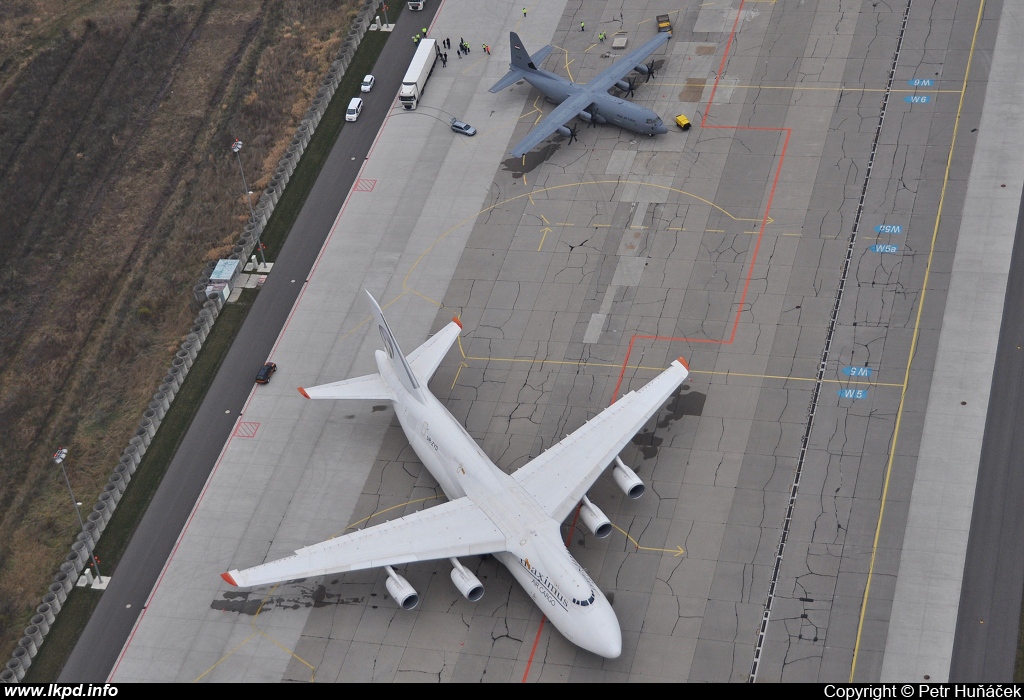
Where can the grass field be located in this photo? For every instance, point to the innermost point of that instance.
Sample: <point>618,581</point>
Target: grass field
<point>81,602</point>
<point>115,124</point>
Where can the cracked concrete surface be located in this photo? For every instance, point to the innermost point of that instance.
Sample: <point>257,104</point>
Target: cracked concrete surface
<point>750,552</point>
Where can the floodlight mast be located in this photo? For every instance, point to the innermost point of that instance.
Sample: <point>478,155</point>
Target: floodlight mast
<point>58,457</point>
<point>235,148</point>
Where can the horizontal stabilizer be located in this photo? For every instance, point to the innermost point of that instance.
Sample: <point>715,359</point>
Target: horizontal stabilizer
<point>426,358</point>
<point>514,75</point>
<point>367,387</point>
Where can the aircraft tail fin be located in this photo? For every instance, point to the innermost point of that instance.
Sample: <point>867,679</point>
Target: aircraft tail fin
<point>394,352</point>
<point>520,56</point>
<point>521,64</point>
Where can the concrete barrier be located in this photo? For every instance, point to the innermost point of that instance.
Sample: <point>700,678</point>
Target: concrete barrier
<point>86,538</point>
<point>146,425</point>
<point>47,611</point>
<point>93,528</point>
<point>213,307</point>
<point>186,359</point>
<point>79,556</point>
<point>56,596</point>
<point>142,434</point>
<point>33,632</point>
<point>15,668</point>
<point>193,337</point>
<point>114,488</point>
<point>66,580</point>
<point>125,471</point>
<point>102,509</point>
<point>34,638</point>
<point>40,622</point>
<point>22,655</point>
<point>132,453</point>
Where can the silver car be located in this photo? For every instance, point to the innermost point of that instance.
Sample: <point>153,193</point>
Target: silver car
<point>462,127</point>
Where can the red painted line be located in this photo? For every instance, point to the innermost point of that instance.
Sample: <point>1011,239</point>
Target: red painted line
<point>544,618</point>
<point>536,642</point>
<point>750,270</point>
<point>786,133</point>
<point>167,564</point>
<point>246,429</point>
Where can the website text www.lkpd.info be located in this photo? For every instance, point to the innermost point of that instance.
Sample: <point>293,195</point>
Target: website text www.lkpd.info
<point>61,690</point>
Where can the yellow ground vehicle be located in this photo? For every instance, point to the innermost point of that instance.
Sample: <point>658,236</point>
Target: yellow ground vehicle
<point>664,24</point>
<point>683,122</point>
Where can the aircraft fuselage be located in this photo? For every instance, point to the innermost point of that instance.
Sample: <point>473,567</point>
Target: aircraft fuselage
<point>609,109</point>
<point>536,556</point>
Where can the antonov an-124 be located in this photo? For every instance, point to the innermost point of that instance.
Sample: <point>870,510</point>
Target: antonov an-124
<point>516,517</point>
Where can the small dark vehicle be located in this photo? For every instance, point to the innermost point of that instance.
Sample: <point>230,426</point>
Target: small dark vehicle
<point>266,371</point>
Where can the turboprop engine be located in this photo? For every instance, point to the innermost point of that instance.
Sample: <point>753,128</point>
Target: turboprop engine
<point>627,480</point>
<point>595,519</point>
<point>400,589</point>
<point>468,584</point>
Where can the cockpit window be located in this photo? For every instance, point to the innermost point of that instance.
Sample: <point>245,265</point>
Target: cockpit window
<point>584,603</point>
<point>650,121</point>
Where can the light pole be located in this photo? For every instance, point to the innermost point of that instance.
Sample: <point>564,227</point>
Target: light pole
<point>59,457</point>
<point>236,147</point>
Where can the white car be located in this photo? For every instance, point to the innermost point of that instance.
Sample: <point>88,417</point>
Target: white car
<point>355,106</point>
<point>367,84</point>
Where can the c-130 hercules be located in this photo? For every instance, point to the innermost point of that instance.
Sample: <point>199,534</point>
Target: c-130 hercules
<point>589,101</point>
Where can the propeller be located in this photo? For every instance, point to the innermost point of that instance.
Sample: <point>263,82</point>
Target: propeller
<point>650,70</point>
<point>630,89</point>
<point>572,135</point>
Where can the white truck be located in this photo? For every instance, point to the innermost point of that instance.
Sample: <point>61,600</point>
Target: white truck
<point>419,70</point>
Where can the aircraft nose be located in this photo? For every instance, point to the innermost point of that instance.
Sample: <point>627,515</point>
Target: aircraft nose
<point>660,128</point>
<point>604,636</point>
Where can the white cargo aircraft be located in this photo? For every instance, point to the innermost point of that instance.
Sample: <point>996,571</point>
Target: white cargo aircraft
<point>588,101</point>
<point>514,517</point>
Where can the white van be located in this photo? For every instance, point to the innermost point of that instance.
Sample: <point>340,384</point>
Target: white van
<point>355,106</point>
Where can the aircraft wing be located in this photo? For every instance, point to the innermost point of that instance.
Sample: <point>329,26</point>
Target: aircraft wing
<point>561,476</point>
<point>454,529</point>
<point>622,67</point>
<point>549,124</point>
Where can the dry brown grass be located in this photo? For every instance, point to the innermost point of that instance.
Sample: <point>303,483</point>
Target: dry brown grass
<point>115,122</point>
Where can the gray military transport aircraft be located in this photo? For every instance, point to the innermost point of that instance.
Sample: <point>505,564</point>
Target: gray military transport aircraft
<point>589,101</point>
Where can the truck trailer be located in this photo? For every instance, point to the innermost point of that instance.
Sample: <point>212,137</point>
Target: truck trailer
<point>419,70</point>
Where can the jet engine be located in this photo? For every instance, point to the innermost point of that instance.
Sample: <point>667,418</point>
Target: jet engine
<point>595,520</point>
<point>401,590</point>
<point>468,584</point>
<point>627,480</point>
